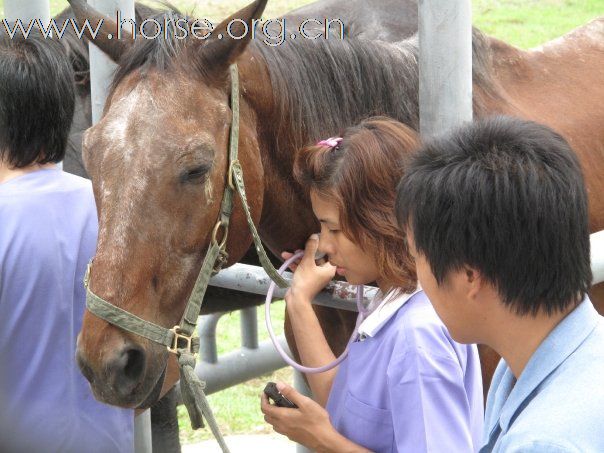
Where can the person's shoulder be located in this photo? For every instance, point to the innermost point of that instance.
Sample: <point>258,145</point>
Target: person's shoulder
<point>422,327</point>
<point>576,392</point>
<point>425,335</point>
<point>72,189</point>
<point>75,181</point>
<point>582,370</point>
<point>39,185</point>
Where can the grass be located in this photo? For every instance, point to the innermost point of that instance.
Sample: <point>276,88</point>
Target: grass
<point>523,23</point>
<point>529,23</point>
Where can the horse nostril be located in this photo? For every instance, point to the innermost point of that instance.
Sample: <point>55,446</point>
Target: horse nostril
<point>127,369</point>
<point>84,367</point>
<point>135,363</point>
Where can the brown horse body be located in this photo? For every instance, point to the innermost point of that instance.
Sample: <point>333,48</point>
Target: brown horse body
<point>158,159</point>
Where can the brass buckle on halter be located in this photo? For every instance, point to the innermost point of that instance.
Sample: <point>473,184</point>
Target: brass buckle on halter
<point>177,337</point>
<point>215,234</point>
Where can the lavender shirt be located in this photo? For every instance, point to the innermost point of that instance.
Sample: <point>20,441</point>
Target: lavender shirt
<point>48,230</point>
<point>410,387</point>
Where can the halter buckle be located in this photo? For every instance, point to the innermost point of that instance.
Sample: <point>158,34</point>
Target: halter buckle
<point>177,337</point>
<point>225,234</point>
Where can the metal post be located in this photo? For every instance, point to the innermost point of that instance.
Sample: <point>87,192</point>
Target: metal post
<point>27,11</point>
<point>207,337</point>
<point>445,64</point>
<point>249,327</point>
<point>597,256</point>
<point>101,66</point>
<point>142,432</point>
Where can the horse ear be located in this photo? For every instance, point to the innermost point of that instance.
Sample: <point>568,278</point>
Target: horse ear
<point>219,53</point>
<point>114,48</point>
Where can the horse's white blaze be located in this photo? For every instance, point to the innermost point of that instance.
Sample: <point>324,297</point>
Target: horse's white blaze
<point>125,109</point>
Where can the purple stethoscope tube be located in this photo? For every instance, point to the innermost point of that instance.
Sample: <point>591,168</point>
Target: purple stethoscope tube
<point>271,332</point>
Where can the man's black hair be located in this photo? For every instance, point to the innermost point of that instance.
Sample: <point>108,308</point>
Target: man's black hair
<point>36,99</point>
<point>507,197</point>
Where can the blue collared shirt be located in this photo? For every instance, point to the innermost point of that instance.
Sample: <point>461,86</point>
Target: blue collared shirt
<point>557,404</point>
<point>48,230</point>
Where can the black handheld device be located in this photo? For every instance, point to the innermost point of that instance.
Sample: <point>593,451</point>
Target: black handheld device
<point>271,391</point>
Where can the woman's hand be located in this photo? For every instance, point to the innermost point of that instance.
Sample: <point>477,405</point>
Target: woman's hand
<point>308,425</point>
<point>309,278</point>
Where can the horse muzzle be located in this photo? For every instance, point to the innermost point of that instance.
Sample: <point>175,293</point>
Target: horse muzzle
<point>120,377</point>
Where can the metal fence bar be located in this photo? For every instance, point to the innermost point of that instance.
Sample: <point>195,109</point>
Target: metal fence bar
<point>253,279</point>
<point>445,64</point>
<point>240,365</point>
<point>249,327</point>
<point>207,337</point>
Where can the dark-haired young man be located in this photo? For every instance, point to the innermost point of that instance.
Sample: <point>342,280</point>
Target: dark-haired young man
<point>48,230</point>
<point>496,215</point>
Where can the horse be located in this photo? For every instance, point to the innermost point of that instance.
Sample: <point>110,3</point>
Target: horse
<point>158,195</point>
<point>353,13</point>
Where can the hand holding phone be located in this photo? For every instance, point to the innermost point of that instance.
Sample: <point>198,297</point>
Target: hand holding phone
<point>271,391</point>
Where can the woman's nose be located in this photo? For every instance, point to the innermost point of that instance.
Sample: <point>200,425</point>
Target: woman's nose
<point>319,253</point>
<point>325,247</point>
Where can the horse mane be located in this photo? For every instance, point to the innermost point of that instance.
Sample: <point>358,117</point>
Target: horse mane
<point>324,86</point>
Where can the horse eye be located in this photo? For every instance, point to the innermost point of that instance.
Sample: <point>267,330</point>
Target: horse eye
<point>195,174</point>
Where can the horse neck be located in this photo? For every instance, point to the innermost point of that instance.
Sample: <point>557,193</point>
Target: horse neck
<point>286,220</point>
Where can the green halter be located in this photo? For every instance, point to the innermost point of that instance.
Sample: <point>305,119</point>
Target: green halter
<point>179,340</point>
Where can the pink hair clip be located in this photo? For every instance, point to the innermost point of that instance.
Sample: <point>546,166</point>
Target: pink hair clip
<point>332,142</point>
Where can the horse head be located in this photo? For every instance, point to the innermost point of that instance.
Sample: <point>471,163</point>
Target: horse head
<point>158,161</point>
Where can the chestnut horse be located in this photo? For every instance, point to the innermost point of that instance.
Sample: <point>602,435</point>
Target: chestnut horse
<point>158,158</point>
<point>364,21</point>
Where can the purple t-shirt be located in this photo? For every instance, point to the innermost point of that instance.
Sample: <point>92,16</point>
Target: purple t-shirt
<point>48,231</point>
<point>410,387</point>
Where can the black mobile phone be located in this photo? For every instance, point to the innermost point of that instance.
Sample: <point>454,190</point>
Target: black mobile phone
<point>271,391</point>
